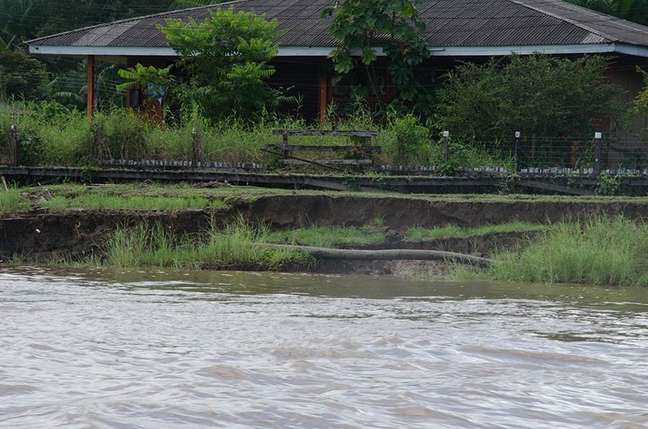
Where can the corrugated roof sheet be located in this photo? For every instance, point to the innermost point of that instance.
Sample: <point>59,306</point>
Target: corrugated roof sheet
<point>449,23</point>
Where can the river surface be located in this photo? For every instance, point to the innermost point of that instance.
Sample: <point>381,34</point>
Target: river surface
<point>234,350</point>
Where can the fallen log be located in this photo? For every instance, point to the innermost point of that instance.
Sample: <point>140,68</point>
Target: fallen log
<point>385,255</point>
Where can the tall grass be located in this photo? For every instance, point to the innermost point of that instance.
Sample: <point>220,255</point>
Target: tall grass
<point>12,201</point>
<point>603,251</point>
<point>237,246</point>
<point>101,201</point>
<point>453,231</point>
<point>321,236</point>
<point>51,134</point>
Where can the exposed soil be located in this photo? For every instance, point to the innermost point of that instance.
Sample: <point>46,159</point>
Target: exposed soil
<point>75,232</point>
<point>79,231</point>
<point>401,213</point>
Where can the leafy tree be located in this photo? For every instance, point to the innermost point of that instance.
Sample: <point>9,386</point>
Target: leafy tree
<point>21,76</point>
<point>640,104</point>
<point>391,25</point>
<point>538,95</point>
<point>227,56</point>
<point>26,19</point>
<point>633,10</point>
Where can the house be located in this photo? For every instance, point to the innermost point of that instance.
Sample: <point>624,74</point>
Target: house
<point>457,30</point>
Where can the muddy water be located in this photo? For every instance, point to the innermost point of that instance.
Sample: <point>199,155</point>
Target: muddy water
<point>291,351</point>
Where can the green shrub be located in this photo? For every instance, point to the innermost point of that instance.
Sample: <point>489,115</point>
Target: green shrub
<point>538,95</point>
<point>122,135</point>
<point>408,142</point>
<point>11,201</point>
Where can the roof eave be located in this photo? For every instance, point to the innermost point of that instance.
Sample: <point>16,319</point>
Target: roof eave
<point>302,51</point>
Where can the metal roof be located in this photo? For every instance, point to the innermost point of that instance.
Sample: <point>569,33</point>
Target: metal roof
<point>449,23</point>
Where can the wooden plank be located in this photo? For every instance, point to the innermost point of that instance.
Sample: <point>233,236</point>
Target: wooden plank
<point>325,133</point>
<point>329,162</point>
<point>326,148</point>
<point>551,187</point>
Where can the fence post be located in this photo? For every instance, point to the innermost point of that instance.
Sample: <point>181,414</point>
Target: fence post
<point>598,153</point>
<point>198,153</point>
<point>445,141</point>
<point>516,152</point>
<point>13,143</point>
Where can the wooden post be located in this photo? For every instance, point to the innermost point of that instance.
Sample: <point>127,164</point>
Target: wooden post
<point>284,144</point>
<point>598,153</point>
<point>13,144</point>
<point>198,152</point>
<point>516,152</point>
<point>446,148</point>
<point>91,94</point>
<point>323,93</point>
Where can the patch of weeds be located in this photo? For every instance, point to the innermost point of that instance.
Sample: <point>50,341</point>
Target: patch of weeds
<point>453,231</point>
<point>603,251</point>
<point>12,201</point>
<point>609,185</point>
<point>329,236</point>
<point>238,245</point>
<point>98,201</point>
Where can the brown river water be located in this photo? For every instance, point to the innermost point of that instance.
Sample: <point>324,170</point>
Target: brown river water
<point>236,350</point>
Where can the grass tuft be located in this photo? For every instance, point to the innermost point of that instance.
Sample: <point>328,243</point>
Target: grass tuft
<point>332,236</point>
<point>453,231</point>
<point>12,201</point>
<point>100,201</point>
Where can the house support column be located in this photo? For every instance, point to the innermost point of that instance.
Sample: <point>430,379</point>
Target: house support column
<point>91,84</point>
<point>323,92</point>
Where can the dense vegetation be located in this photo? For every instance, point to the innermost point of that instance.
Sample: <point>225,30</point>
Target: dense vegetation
<point>603,251</point>
<point>633,10</point>
<point>219,91</point>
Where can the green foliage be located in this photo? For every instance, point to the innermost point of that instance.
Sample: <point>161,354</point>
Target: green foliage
<point>11,201</point>
<point>329,236</point>
<point>394,26</point>
<point>120,134</point>
<point>51,134</point>
<point>27,19</point>
<point>453,231</point>
<point>21,76</point>
<point>602,252</point>
<point>408,141</point>
<point>151,79</point>
<point>235,247</point>
<point>640,103</point>
<point>538,95</point>
<point>633,10</point>
<point>100,201</point>
<point>608,184</point>
<point>227,56</point>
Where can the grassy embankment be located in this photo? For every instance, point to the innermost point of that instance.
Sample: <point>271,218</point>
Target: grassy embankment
<point>604,252</point>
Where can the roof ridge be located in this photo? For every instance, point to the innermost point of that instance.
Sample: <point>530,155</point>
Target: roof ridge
<point>135,18</point>
<point>573,7</point>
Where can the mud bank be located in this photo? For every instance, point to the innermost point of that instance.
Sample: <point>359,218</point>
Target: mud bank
<point>42,233</point>
<point>400,212</point>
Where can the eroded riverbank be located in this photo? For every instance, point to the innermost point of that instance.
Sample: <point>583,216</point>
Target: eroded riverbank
<point>196,226</point>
